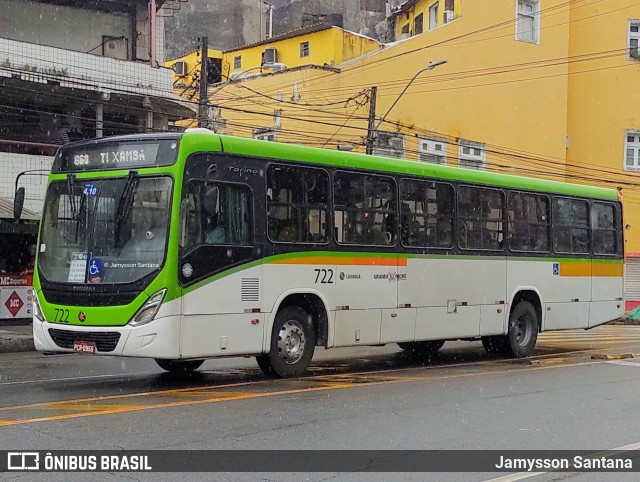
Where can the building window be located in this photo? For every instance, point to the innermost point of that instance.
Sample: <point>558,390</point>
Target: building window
<point>237,62</point>
<point>304,49</point>
<point>264,135</point>
<point>404,33</point>
<point>527,27</point>
<point>632,151</point>
<point>472,155</point>
<point>634,39</point>
<point>418,21</point>
<point>433,16</point>
<point>432,150</point>
<point>389,144</point>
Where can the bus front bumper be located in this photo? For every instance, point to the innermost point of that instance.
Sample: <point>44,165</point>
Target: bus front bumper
<point>158,339</point>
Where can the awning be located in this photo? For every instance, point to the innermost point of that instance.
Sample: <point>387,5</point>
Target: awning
<point>6,211</point>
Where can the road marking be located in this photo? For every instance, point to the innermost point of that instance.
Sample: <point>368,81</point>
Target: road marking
<point>320,383</point>
<point>67,379</point>
<point>605,453</point>
<point>623,363</point>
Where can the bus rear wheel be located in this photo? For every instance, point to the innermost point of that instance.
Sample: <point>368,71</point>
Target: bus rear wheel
<point>293,341</point>
<point>496,345</point>
<point>521,339</point>
<point>422,348</point>
<point>179,366</point>
<point>523,330</point>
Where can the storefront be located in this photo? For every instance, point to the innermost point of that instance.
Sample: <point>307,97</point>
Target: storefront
<point>17,252</point>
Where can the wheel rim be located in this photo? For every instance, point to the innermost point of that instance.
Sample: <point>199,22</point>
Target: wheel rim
<point>522,331</point>
<point>291,341</point>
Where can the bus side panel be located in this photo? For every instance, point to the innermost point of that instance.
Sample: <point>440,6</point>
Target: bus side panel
<point>563,287</point>
<point>607,292</point>
<point>357,327</point>
<point>367,286</point>
<point>435,323</point>
<point>237,326</point>
<point>451,295</point>
<point>603,311</point>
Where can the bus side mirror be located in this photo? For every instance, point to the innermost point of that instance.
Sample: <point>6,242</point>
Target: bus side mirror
<point>18,203</point>
<point>210,203</point>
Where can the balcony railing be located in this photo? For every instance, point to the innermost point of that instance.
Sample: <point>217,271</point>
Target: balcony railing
<point>81,70</point>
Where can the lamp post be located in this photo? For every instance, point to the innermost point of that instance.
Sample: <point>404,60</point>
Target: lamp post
<point>371,134</point>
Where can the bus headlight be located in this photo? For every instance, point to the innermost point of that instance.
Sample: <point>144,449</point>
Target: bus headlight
<point>149,310</point>
<point>37,312</point>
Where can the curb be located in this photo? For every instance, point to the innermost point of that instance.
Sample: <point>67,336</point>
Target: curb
<point>624,321</point>
<point>16,344</point>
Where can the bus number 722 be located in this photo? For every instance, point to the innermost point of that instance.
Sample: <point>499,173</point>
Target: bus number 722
<point>324,276</point>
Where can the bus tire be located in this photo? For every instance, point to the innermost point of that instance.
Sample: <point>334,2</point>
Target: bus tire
<point>496,345</point>
<point>179,366</point>
<point>264,362</point>
<point>293,341</point>
<point>422,348</point>
<point>523,329</point>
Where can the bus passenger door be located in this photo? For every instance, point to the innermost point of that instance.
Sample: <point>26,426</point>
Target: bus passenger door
<point>222,305</point>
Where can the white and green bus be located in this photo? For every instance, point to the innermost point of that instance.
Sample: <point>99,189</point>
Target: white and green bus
<point>185,247</point>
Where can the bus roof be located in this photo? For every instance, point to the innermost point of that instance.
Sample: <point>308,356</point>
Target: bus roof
<point>350,160</point>
<point>199,140</point>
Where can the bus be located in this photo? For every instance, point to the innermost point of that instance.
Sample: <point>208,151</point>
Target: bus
<point>183,247</point>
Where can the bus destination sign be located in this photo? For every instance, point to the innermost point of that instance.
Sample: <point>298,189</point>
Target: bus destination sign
<point>117,155</point>
<point>114,158</point>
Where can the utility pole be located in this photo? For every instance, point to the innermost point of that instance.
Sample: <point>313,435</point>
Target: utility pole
<point>372,119</point>
<point>204,86</point>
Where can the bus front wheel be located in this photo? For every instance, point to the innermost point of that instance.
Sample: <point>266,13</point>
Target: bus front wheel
<point>293,341</point>
<point>179,366</point>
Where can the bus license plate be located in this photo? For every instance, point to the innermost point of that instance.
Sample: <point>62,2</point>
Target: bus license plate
<point>84,346</point>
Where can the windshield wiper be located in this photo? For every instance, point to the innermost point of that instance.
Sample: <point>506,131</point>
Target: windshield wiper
<point>71,181</point>
<point>124,205</point>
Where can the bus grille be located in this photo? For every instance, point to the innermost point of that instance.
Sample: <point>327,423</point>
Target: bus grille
<point>250,289</point>
<point>105,341</point>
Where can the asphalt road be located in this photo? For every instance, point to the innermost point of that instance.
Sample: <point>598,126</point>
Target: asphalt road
<point>357,398</point>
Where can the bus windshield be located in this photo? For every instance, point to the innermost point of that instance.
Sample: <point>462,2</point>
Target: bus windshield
<point>104,231</point>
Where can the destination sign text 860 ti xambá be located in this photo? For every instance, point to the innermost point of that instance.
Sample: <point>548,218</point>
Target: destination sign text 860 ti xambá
<point>116,155</point>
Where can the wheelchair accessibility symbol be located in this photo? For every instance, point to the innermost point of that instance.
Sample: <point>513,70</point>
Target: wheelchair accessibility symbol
<point>95,267</point>
<point>556,269</point>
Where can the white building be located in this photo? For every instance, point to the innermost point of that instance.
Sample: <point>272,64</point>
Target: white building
<point>77,69</point>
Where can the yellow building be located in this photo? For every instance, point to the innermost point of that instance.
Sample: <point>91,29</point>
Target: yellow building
<point>417,16</point>
<point>542,89</point>
<point>186,70</point>
<point>316,45</point>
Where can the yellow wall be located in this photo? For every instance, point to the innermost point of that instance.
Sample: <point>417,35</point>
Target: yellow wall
<point>193,68</point>
<point>603,102</point>
<point>422,7</point>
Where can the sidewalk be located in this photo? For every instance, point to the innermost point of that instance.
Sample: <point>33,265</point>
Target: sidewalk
<point>16,338</point>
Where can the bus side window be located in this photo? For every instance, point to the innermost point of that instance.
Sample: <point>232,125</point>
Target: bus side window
<point>297,204</point>
<point>604,229</point>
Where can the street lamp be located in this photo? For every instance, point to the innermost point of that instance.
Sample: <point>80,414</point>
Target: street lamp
<point>372,132</point>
